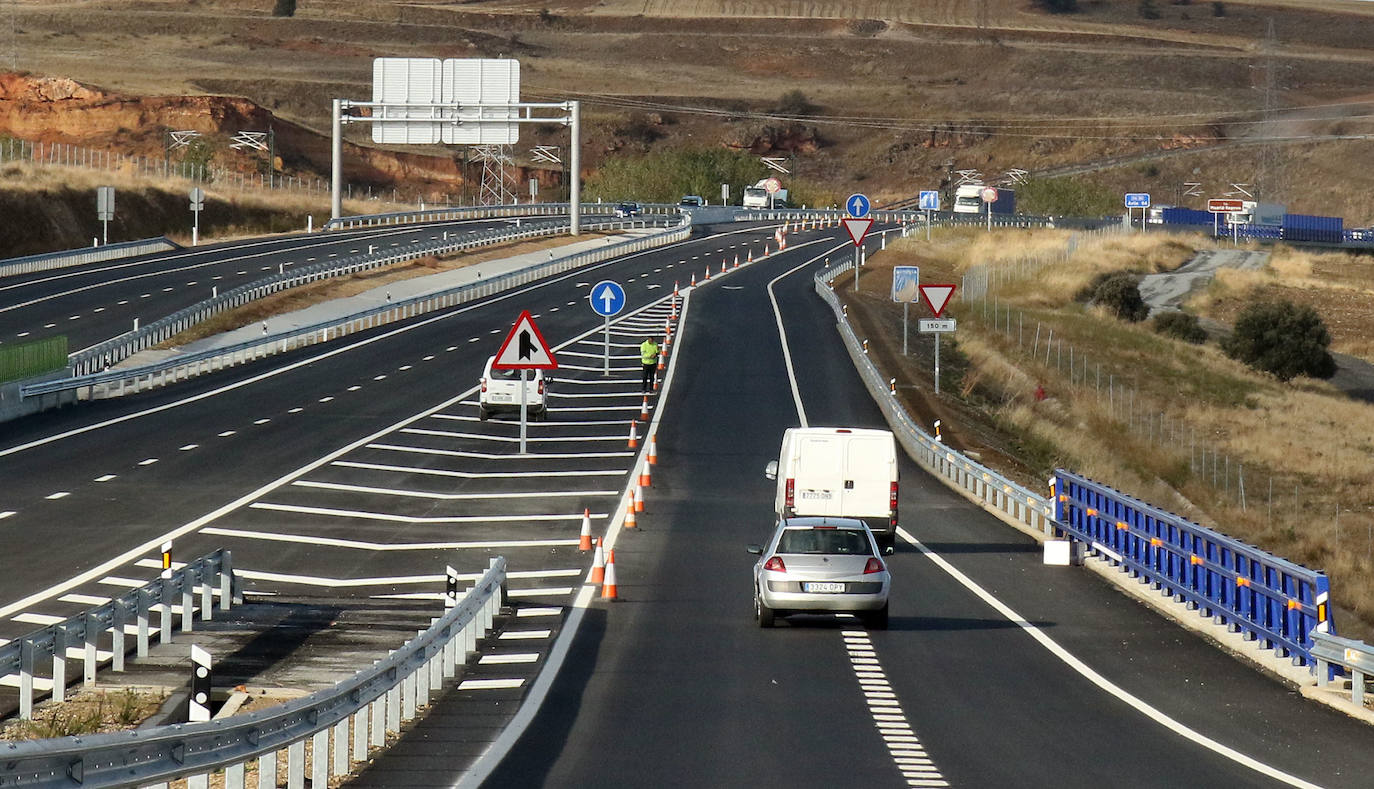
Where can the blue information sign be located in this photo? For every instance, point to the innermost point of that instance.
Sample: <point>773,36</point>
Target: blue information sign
<point>906,284</point>
<point>930,200</point>
<point>857,205</point>
<point>607,298</point>
<point>1137,200</point>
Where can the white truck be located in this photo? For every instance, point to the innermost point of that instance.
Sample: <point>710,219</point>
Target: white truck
<point>968,199</point>
<point>757,196</point>
<point>839,471</point>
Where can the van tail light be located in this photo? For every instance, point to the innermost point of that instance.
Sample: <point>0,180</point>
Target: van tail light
<point>541,386</point>
<point>775,564</point>
<point>892,506</point>
<point>875,565</point>
<point>484,384</point>
<point>790,495</point>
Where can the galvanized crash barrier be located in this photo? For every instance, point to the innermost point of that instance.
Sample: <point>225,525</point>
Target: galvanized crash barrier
<point>77,257</point>
<point>117,382</point>
<point>375,701</point>
<point>1251,591</point>
<point>458,213</point>
<point>130,613</point>
<point>977,482</point>
<point>1355,658</point>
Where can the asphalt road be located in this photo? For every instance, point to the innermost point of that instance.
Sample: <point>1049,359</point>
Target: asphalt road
<point>97,301</point>
<point>675,685</point>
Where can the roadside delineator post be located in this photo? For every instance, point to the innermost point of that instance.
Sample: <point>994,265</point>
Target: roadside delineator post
<point>584,543</point>
<point>598,564</point>
<point>634,436</point>
<point>608,590</point>
<point>653,449</point>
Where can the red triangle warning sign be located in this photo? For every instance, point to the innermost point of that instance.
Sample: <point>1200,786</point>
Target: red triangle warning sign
<point>858,228</point>
<point>524,348</point>
<point>937,297</point>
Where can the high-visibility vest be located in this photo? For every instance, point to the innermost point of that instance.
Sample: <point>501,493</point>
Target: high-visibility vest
<point>648,352</point>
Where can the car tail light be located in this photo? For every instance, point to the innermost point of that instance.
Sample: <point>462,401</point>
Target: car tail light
<point>790,495</point>
<point>541,386</point>
<point>892,506</point>
<point>875,565</point>
<point>484,384</point>
<point>775,564</point>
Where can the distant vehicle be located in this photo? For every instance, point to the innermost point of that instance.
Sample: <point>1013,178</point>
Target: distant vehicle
<point>695,201</point>
<point>624,210</point>
<point>1246,215</point>
<point>968,199</point>
<point>820,565</point>
<point>1155,214</point>
<point>499,392</point>
<point>839,472</point>
<point>757,196</point>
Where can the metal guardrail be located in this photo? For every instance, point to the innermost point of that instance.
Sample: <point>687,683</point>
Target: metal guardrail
<point>77,257</point>
<point>975,481</point>
<point>1354,657</point>
<point>112,351</point>
<point>1249,590</point>
<point>175,589</point>
<point>115,382</point>
<point>376,700</point>
<point>454,213</point>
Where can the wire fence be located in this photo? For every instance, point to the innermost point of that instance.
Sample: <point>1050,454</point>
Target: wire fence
<point>32,358</point>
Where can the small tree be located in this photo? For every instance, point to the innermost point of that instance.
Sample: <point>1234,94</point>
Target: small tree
<point>1147,9</point>
<point>1121,294</point>
<point>1181,326</point>
<point>795,103</point>
<point>1282,338</point>
<point>284,8</point>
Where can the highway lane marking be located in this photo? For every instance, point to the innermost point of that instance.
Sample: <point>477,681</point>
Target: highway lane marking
<point>535,591</point>
<point>1088,673</point>
<point>489,456</point>
<point>31,618</point>
<point>353,388</point>
<point>579,423</point>
<point>326,399</point>
<point>188,447</point>
<point>538,611</point>
<point>106,477</point>
<point>427,494</point>
<point>903,745</point>
<point>379,377</point>
<point>490,684</point>
<point>348,583</point>
<point>523,635</point>
<point>83,599</point>
<point>227,433</point>
<point>514,657</point>
<point>147,461</point>
<point>7,514</point>
<point>420,431</point>
<point>477,474</point>
<point>386,516</point>
<point>261,421</point>
<point>584,395</point>
<point>295,410</point>
<point>782,332</point>
<point>61,494</point>
<point>364,545</point>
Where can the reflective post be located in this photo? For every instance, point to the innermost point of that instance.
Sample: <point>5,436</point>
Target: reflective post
<point>336,162</point>
<point>524,413</point>
<point>575,169</point>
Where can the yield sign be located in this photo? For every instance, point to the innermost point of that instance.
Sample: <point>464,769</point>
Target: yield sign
<point>937,297</point>
<point>858,228</point>
<point>524,348</point>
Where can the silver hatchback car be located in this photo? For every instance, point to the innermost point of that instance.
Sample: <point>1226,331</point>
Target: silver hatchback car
<point>817,565</point>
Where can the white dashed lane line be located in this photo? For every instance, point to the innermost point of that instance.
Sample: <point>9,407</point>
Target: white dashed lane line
<point>61,494</point>
<point>261,421</point>
<point>147,462</point>
<point>189,447</point>
<point>906,749</point>
<point>106,477</point>
<point>295,410</point>
<point>227,433</point>
<point>7,514</point>
<point>354,388</point>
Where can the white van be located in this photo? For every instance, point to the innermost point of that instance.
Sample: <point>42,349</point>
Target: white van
<point>499,392</point>
<point>839,471</point>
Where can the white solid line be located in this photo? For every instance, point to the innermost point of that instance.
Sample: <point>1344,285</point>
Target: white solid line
<point>83,599</point>
<point>1097,679</point>
<point>521,657</point>
<point>782,333</point>
<point>363,545</point>
<point>425,494</point>
<point>490,456</point>
<point>541,591</point>
<point>384,516</point>
<point>477,474</point>
<point>510,439</point>
<point>7,514</point>
<point>114,580</point>
<point>490,684</point>
<point>32,618</point>
<point>524,635</point>
<point>540,611</point>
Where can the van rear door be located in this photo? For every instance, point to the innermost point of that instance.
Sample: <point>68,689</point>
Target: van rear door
<point>819,475</point>
<point>867,476</point>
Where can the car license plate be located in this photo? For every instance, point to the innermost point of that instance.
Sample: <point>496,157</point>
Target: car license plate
<point>500,398</point>
<point>823,586</point>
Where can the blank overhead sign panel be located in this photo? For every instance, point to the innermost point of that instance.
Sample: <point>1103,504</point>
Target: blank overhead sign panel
<point>407,81</point>
<point>475,84</point>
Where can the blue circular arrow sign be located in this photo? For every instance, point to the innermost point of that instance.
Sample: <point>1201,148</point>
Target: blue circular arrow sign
<point>607,298</point>
<point>857,205</point>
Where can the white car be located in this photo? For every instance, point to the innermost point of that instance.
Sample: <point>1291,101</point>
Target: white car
<point>821,565</point>
<point>499,392</point>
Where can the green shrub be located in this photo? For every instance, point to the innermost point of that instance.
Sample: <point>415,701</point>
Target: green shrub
<point>1067,196</point>
<point>1181,326</point>
<point>1120,293</point>
<point>284,8</point>
<point>665,176</point>
<point>795,103</point>
<point>1281,338</point>
<point>1147,9</point>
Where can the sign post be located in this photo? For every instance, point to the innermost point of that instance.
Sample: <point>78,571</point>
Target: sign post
<point>989,195</point>
<point>524,350</point>
<point>930,201</point>
<point>1220,205</point>
<point>857,229</point>
<point>607,298</point>
<point>906,281</point>
<point>1139,200</point>
<point>772,186</point>
<point>197,205</point>
<point>937,298</point>
<point>104,210</point>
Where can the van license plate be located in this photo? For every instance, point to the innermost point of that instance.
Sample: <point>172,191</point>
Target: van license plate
<point>500,398</point>
<point>823,586</point>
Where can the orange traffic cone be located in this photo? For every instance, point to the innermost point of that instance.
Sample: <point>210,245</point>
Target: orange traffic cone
<point>644,410</point>
<point>694,281</point>
<point>639,498</point>
<point>645,478</point>
<point>751,257</point>
<point>765,250</point>
<point>736,261</point>
<point>630,522</point>
<point>585,542</point>
<point>674,293</point>
<point>608,590</point>
<point>708,274</point>
<point>653,449</point>
<point>722,265</point>
<point>634,436</point>
<point>660,359</point>
<point>598,564</point>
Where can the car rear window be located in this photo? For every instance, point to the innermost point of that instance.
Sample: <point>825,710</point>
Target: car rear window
<point>824,541</point>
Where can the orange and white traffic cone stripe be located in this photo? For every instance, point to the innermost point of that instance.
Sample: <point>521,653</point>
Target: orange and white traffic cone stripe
<point>708,274</point>
<point>608,590</point>
<point>751,257</point>
<point>584,543</point>
<point>737,260</point>
<point>645,478</point>
<point>694,281</point>
<point>639,498</point>
<point>598,564</point>
<point>634,435</point>
<point>722,266</point>
<point>630,521</point>
<point>653,449</point>
<point>674,293</point>
<point>661,352</point>
<point>644,410</point>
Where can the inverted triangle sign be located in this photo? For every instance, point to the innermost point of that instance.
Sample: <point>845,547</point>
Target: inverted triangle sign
<point>937,297</point>
<point>524,348</point>
<point>858,228</point>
